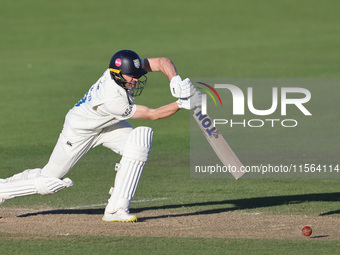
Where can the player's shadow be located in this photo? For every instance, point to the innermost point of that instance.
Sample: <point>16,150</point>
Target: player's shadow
<point>64,211</point>
<point>247,204</point>
<point>225,206</point>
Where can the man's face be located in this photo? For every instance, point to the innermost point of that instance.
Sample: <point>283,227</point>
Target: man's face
<point>131,81</point>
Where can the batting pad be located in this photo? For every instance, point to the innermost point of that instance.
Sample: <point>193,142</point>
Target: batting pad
<point>135,155</point>
<point>30,182</point>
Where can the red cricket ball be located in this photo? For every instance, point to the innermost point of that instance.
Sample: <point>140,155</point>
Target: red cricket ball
<point>306,230</point>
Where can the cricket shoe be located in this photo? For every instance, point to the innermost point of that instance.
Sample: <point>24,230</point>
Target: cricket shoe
<point>122,215</point>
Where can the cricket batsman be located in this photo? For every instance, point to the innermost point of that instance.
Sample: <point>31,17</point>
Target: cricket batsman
<point>100,118</point>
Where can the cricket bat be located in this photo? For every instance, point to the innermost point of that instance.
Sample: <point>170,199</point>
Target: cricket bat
<point>219,144</point>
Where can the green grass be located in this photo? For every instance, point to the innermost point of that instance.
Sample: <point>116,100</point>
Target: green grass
<point>158,245</point>
<point>50,54</point>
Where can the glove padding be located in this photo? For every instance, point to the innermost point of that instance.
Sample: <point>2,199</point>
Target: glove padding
<point>181,89</point>
<point>191,102</point>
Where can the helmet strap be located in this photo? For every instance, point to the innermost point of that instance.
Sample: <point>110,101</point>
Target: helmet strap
<point>116,75</point>
<point>119,79</point>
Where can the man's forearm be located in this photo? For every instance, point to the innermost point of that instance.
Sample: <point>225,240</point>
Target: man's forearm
<point>144,112</point>
<point>165,65</point>
<point>168,68</point>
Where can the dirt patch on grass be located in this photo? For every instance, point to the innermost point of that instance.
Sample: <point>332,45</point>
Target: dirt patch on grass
<point>167,223</point>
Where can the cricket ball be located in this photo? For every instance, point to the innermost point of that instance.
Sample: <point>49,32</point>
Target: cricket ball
<point>306,230</point>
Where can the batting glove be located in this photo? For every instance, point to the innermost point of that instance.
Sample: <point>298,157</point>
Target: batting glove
<point>181,89</point>
<point>191,102</point>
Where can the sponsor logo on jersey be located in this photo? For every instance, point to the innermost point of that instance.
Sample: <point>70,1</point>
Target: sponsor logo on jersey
<point>127,111</point>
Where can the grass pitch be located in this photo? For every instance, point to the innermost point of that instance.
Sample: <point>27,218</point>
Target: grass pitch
<point>95,245</point>
<point>52,53</point>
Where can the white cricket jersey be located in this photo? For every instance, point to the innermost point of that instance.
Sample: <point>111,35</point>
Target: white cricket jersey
<point>105,104</point>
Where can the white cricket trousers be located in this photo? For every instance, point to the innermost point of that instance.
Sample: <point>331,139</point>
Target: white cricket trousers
<point>73,144</point>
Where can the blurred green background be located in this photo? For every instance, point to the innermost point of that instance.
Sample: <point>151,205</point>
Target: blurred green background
<point>51,53</point>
